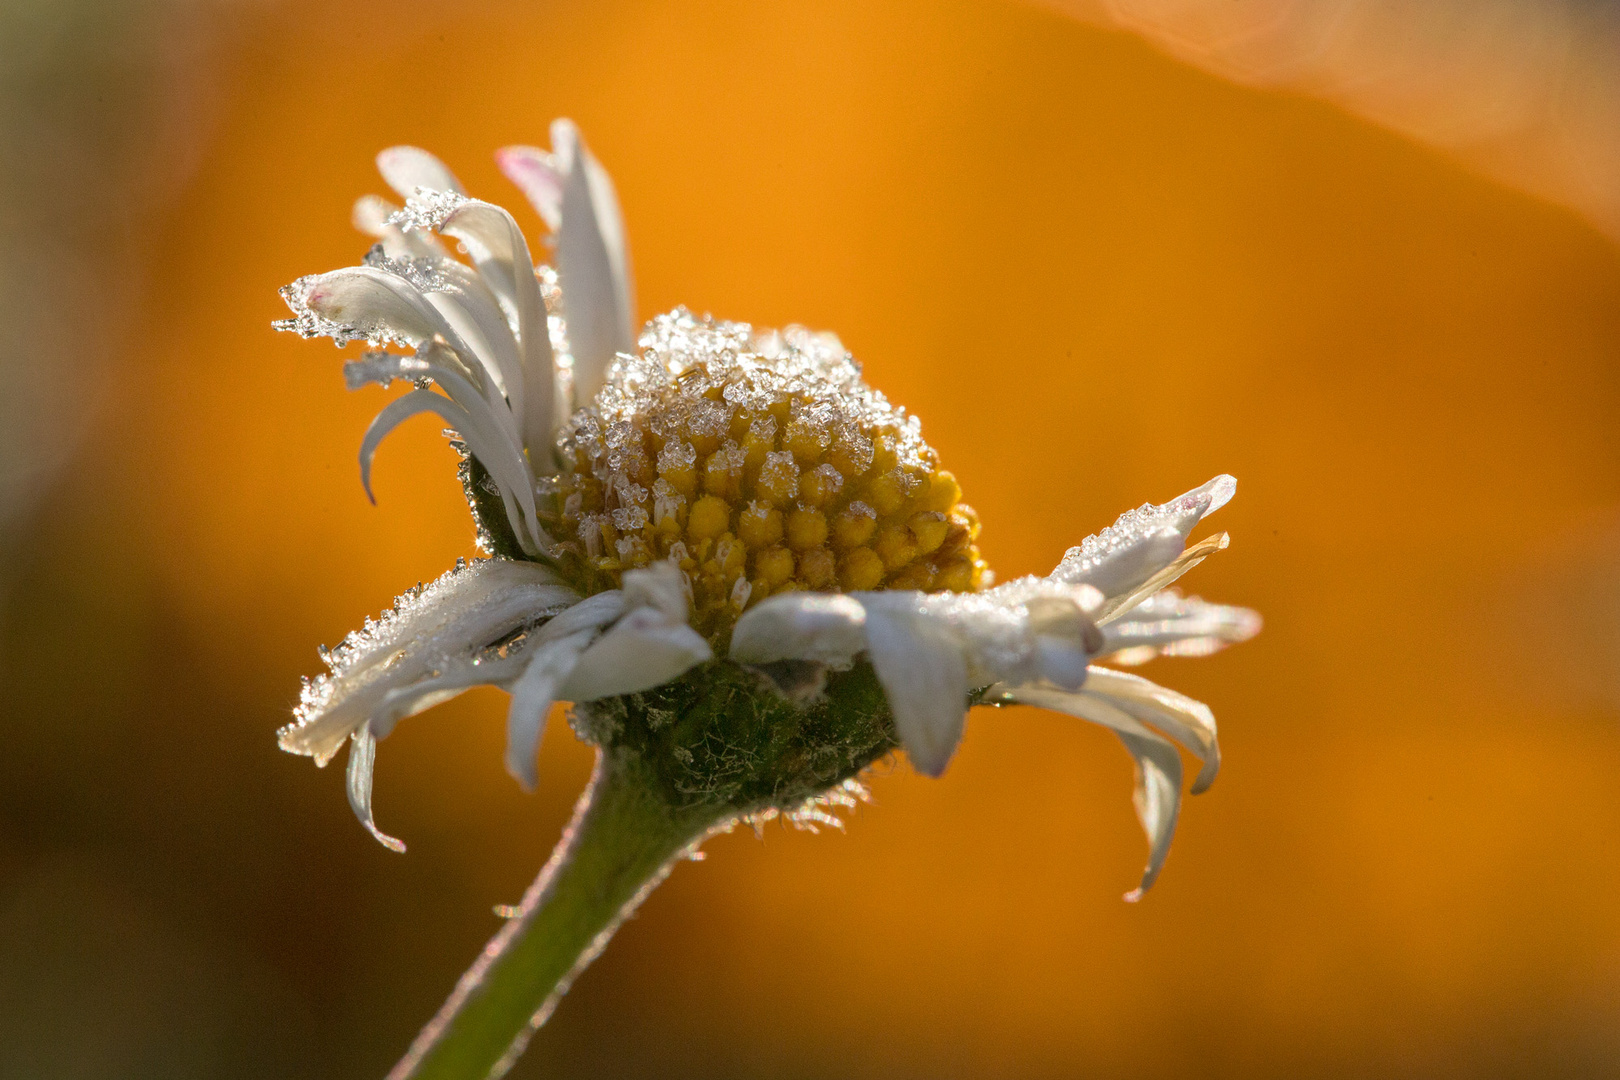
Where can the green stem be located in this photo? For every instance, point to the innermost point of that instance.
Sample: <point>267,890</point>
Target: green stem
<point>624,840</point>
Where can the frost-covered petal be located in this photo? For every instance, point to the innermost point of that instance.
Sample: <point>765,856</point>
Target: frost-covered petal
<point>362,760</point>
<point>372,215</point>
<point>1189,722</point>
<point>1021,631</point>
<point>824,628</point>
<point>431,629</point>
<point>536,174</point>
<point>533,694</point>
<point>436,362</point>
<point>1122,603</point>
<point>642,650</point>
<point>924,676</point>
<point>1169,624</point>
<point>360,302</point>
<point>1141,542</point>
<point>406,168</point>
<point>482,336</point>
<point>501,253</point>
<point>593,264</point>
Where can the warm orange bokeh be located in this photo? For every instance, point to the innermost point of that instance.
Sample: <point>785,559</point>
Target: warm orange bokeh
<point>1100,279</point>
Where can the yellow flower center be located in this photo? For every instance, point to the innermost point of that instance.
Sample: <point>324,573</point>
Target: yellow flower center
<point>759,464</point>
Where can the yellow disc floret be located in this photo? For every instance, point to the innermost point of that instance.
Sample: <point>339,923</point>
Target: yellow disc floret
<point>759,463</point>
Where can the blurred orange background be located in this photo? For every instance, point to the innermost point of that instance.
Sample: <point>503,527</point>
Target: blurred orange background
<point>1100,278</point>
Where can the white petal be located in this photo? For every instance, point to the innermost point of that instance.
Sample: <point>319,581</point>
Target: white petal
<point>1169,624</point>
<point>532,696</point>
<point>1189,722</point>
<point>1021,631</point>
<point>924,676</point>
<point>1142,541</point>
<point>1157,798</point>
<point>593,266</point>
<point>468,305</point>
<point>501,253</point>
<point>1124,602</point>
<point>594,612</point>
<point>406,168</point>
<point>359,302</point>
<point>446,625</point>
<point>536,174</point>
<point>362,759</point>
<point>825,628</point>
<point>641,651</point>
<point>661,586</point>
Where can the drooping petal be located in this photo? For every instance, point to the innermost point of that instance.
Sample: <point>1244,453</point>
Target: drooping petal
<point>362,759</point>
<point>406,168</point>
<point>593,264</point>
<point>532,697</point>
<point>450,623</point>
<point>824,628</point>
<point>1189,722</point>
<point>1157,799</point>
<point>1169,624</point>
<point>485,446</point>
<point>1142,541</point>
<point>642,650</point>
<point>924,676</point>
<point>536,174</point>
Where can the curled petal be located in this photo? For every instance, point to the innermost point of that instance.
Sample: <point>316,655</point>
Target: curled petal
<point>532,696</point>
<point>360,302</point>
<point>593,264</point>
<point>1158,801</point>
<point>824,628</point>
<point>447,626</point>
<point>469,306</point>
<point>924,676</point>
<point>362,759</point>
<point>1142,541</point>
<point>641,651</point>
<point>1188,722</point>
<point>407,168</point>
<point>501,253</point>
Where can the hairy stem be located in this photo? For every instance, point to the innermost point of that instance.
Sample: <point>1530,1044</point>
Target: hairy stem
<point>623,840</point>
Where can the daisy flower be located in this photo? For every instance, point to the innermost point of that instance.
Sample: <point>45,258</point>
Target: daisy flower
<point>743,566</point>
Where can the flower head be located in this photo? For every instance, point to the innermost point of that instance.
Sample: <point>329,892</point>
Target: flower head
<point>741,563</point>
